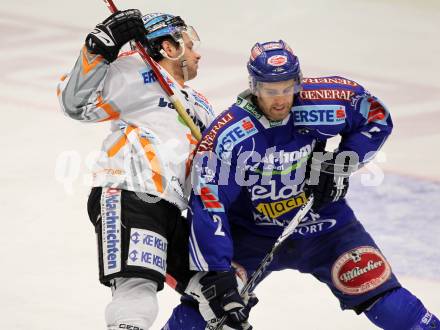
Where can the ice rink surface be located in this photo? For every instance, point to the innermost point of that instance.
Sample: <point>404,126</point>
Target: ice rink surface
<point>48,250</point>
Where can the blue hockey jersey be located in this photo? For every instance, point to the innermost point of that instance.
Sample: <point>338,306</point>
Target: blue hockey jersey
<point>249,171</point>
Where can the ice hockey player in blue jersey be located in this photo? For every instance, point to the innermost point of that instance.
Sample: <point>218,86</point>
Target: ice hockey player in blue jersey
<point>254,168</point>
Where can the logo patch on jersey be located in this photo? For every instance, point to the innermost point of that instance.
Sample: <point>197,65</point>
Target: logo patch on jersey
<point>147,249</point>
<point>202,101</point>
<point>278,208</point>
<point>319,114</point>
<point>111,230</point>
<point>209,196</point>
<point>326,94</point>
<point>377,112</point>
<point>208,140</point>
<point>248,107</point>
<point>234,134</point>
<point>148,76</point>
<point>283,162</point>
<point>372,109</point>
<point>329,80</point>
<point>285,192</point>
<point>277,60</point>
<point>360,270</point>
<point>313,224</point>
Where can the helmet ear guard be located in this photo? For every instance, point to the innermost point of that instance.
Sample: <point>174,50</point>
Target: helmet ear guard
<point>273,61</point>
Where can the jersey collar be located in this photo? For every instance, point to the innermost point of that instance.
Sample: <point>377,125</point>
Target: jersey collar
<point>244,101</point>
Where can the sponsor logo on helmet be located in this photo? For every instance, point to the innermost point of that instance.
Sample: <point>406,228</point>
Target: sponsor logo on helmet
<point>360,270</point>
<point>272,46</point>
<point>277,60</point>
<point>149,17</point>
<point>255,52</point>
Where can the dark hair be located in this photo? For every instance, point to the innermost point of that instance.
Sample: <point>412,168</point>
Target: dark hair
<point>154,47</point>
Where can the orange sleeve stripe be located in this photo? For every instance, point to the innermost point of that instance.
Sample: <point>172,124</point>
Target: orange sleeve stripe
<point>114,149</point>
<point>89,66</point>
<point>154,161</point>
<point>108,108</point>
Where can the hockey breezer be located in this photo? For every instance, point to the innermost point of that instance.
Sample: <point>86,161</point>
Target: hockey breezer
<point>290,228</point>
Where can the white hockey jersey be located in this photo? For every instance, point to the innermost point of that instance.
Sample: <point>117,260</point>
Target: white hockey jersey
<point>149,148</point>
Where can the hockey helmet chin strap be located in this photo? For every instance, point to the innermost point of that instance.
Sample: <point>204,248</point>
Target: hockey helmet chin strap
<point>194,37</point>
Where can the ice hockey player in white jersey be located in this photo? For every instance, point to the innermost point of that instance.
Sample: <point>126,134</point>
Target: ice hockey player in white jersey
<point>141,178</point>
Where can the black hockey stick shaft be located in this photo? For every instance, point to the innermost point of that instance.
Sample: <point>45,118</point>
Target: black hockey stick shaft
<point>290,228</point>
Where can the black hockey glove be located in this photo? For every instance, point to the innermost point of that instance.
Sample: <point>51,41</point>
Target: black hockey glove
<point>328,178</point>
<point>109,36</point>
<point>220,289</point>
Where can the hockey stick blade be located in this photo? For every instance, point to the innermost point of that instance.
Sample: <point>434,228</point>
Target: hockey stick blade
<point>290,228</point>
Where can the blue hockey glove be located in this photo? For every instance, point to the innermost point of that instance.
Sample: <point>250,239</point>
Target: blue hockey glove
<point>220,290</point>
<point>109,36</point>
<point>328,178</point>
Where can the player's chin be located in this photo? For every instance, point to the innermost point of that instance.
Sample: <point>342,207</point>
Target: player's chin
<point>192,73</point>
<point>279,114</point>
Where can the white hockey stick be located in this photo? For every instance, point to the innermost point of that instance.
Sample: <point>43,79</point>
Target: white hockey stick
<point>216,324</point>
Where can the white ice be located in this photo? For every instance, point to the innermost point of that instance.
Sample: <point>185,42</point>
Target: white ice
<point>48,275</point>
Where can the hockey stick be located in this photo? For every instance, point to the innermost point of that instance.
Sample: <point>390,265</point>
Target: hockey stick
<point>290,228</point>
<point>176,102</point>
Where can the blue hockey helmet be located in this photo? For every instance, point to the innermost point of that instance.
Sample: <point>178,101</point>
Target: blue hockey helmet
<point>273,61</point>
<point>159,26</point>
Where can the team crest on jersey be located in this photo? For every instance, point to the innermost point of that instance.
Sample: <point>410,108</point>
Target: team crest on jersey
<point>360,270</point>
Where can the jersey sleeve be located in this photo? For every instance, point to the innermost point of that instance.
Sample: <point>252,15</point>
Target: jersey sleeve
<point>84,93</point>
<point>368,126</point>
<point>219,172</point>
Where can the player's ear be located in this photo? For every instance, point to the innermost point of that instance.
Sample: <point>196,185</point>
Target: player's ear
<point>169,48</point>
